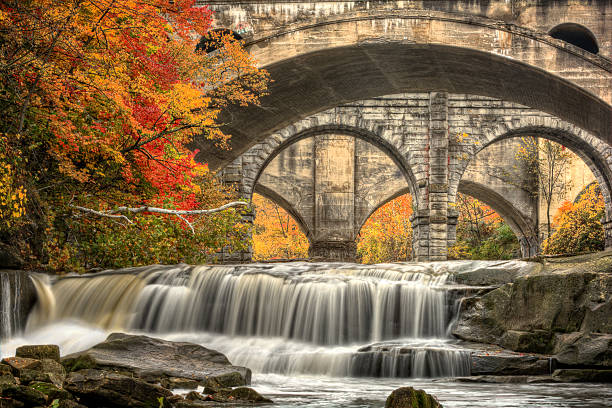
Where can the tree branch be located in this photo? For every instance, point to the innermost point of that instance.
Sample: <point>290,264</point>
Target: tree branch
<point>137,210</point>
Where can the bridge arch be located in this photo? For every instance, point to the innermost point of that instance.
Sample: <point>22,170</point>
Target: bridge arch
<point>519,223</point>
<point>316,64</point>
<point>595,153</point>
<point>273,196</point>
<point>260,156</point>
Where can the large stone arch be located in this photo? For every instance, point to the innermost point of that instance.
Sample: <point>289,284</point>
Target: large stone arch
<point>259,156</point>
<point>595,153</point>
<point>520,224</point>
<point>318,64</point>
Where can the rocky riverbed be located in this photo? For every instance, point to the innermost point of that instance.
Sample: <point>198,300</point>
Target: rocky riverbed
<point>124,371</point>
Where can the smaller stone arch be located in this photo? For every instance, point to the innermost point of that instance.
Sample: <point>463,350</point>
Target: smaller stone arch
<point>384,201</point>
<point>521,225</point>
<point>285,205</point>
<point>576,34</point>
<point>595,153</point>
<point>256,159</point>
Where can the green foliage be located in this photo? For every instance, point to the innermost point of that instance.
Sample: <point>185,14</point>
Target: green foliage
<point>481,233</point>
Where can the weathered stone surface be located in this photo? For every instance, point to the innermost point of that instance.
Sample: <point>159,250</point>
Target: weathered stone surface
<point>133,354</point>
<point>39,352</point>
<point>408,397</point>
<point>51,391</point>
<point>582,375</point>
<point>240,394</point>
<point>100,388</point>
<point>507,379</point>
<point>584,349</point>
<point>503,364</point>
<point>18,364</point>
<point>28,396</point>
<point>532,313</point>
<point>172,383</point>
<point>494,275</point>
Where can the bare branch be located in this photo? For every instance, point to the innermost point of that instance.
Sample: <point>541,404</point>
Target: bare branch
<point>178,213</point>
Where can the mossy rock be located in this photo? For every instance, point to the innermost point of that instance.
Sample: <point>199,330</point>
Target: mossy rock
<point>51,391</point>
<point>408,397</point>
<point>40,352</point>
<point>28,396</point>
<point>81,362</point>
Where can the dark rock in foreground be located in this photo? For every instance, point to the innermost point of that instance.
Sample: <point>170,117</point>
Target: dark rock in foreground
<point>583,375</point>
<point>97,388</point>
<point>47,351</point>
<point>153,359</point>
<point>408,397</point>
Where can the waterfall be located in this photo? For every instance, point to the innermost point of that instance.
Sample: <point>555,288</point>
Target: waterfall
<point>9,314</point>
<point>297,318</point>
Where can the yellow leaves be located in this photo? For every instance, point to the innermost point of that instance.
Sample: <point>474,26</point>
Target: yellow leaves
<point>13,196</point>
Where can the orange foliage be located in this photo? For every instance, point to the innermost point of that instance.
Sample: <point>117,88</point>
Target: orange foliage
<point>578,225</point>
<point>387,235</point>
<point>276,234</point>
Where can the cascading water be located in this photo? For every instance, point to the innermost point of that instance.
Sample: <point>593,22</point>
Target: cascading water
<point>283,318</point>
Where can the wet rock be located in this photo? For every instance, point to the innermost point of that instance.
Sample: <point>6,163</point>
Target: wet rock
<point>194,396</point>
<point>133,354</point>
<point>21,293</point>
<point>583,375</point>
<point>51,391</point>
<point>173,383</point>
<point>6,375</point>
<point>584,349</point>
<point>40,352</point>
<point>408,397</point>
<point>489,274</point>
<point>507,379</point>
<point>106,389</point>
<point>11,403</point>
<point>510,364</point>
<point>240,394</point>
<point>26,395</point>
<point>18,364</point>
<point>528,313</point>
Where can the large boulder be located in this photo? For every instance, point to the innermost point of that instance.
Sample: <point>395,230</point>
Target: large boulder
<point>39,352</point>
<point>584,349</point>
<point>96,388</point>
<point>408,397</point>
<point>530,313</point>
<point>154,359</point>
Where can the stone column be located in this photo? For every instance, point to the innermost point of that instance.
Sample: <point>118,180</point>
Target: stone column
<point>333,237</point>
<point>607,225</point>
<point>233,175</point>
<point>420,235</point>
<point>438,176</point>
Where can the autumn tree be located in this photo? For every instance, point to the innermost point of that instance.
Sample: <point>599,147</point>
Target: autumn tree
<point>387,234</point>
<point>276,235</point>
<point>546,164</point>
<point>481,232</point>
<point>578,226</point>
<point>99,102</point>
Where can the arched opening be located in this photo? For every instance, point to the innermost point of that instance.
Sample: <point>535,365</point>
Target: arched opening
<point>386,236</point>
<point>482,233</point>
<point>330,181</point>
<point>531,181</point>
<point>214,39</point>
<point>577,35</point>
<point>276,234</point>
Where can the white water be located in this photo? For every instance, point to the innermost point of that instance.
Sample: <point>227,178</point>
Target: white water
<point>313,334</point>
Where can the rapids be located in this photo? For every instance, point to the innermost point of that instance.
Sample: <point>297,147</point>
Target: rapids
<point>313,333</point>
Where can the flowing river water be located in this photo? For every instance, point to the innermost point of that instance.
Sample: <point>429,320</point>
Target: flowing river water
<point>314,334</point>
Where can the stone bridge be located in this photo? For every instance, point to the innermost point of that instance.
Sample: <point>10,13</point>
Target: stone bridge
<point>493,70</point>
